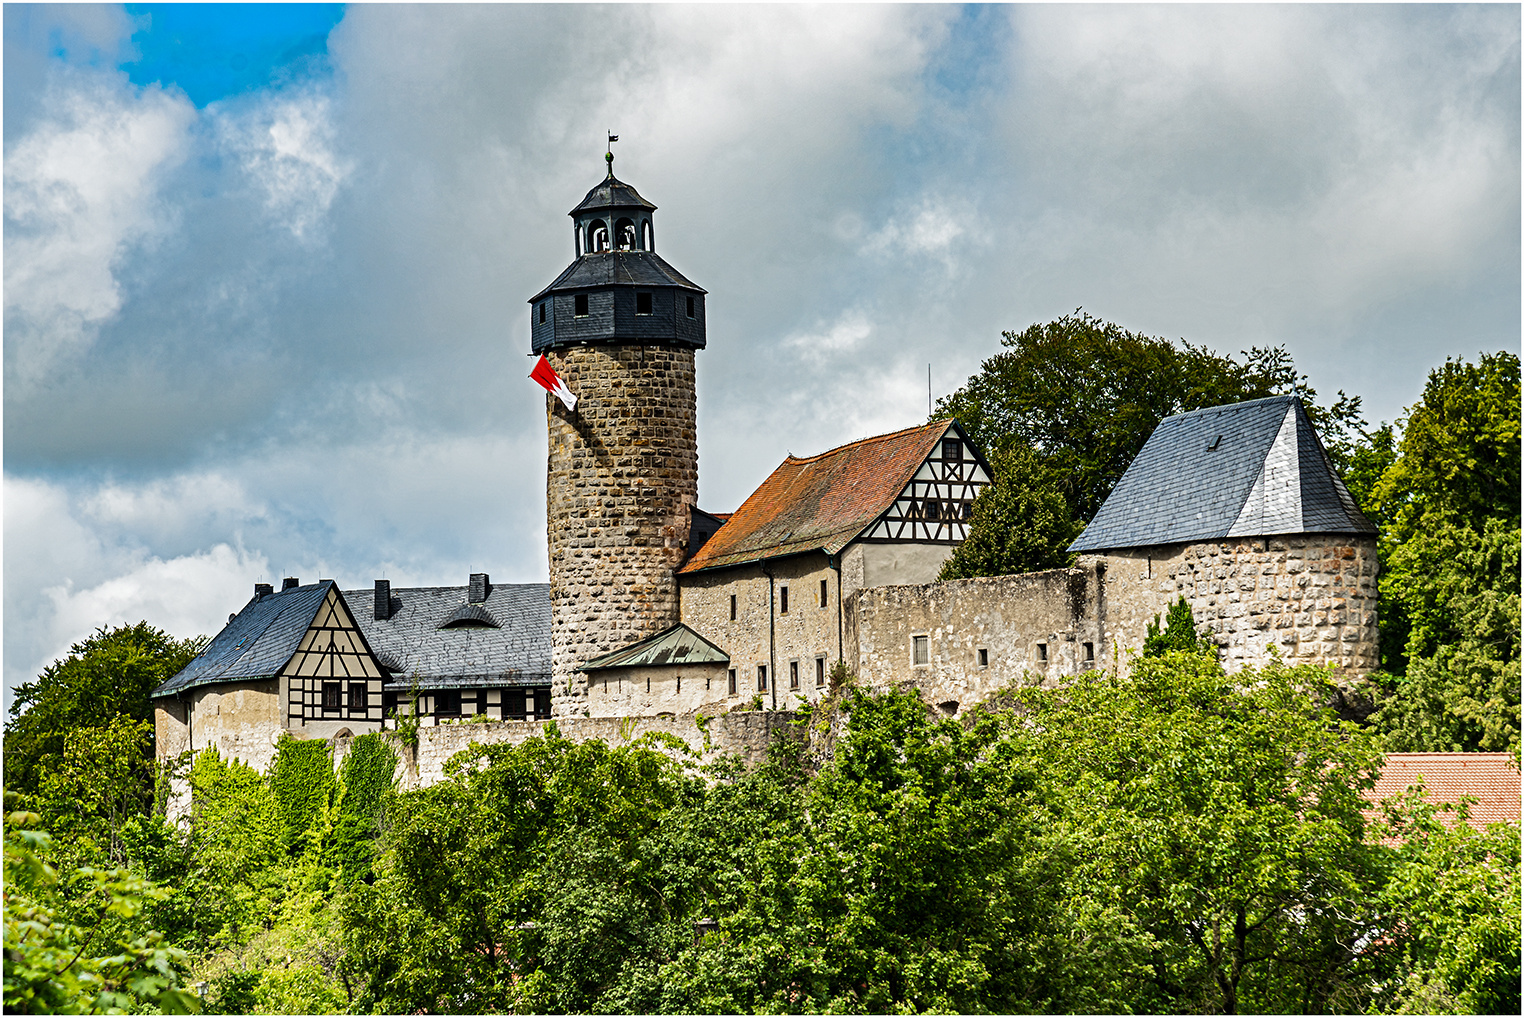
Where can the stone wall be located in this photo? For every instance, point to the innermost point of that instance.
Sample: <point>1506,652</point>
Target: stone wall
<point>798,637</point>
<point>747,734</point>
<point>1049,625</point>
<point>622,472</point>
<point>241,719</point>
<point>1310,597</point>
<point>664,689</point>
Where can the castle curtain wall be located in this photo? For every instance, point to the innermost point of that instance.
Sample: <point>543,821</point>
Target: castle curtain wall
<point>649,691</point>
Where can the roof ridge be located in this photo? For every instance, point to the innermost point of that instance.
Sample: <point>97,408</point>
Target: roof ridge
<point>1285,397</point>
<point>791,458</point>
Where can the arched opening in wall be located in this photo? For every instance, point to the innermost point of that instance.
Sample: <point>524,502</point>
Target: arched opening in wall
<point>581,247</point>
<point>624,234</point>
<point>597,236</point>
<point>647,240</point>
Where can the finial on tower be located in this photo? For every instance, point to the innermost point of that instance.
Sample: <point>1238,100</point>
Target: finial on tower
<point>609,155</point>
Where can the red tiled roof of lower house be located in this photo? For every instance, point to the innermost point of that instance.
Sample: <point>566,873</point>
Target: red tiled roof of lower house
<point>1492,779</point>
<point>820,502</point>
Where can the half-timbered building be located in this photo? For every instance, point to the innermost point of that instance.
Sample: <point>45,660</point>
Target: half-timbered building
<point>769,584</point>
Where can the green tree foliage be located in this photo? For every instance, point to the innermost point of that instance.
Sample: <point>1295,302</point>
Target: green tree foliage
<point>103,677</point>
<point>1447,500</point>
<point>303,782</point>
<point>102,780</point>
<point>1086,394</point>
<point>1021,522</point>
<point>68,945</point>
<point>1177,633</point>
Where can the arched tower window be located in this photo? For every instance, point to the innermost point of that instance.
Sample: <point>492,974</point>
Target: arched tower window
<point>578,233</point>
<point>597,236</point>
<point>624,234</point>
<point>647,236</point>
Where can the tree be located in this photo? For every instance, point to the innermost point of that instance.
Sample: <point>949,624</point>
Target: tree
<point>1086,394</point>
<point>1020,521</point>
<point>1178,633</point>
<point>108,675</point>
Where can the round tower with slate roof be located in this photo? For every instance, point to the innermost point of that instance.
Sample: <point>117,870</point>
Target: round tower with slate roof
<point>620,326</point>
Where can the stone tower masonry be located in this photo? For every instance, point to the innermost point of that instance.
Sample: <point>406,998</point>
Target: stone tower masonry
<point>620,326</point>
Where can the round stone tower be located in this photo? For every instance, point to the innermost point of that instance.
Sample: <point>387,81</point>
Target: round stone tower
<point>620,327</point>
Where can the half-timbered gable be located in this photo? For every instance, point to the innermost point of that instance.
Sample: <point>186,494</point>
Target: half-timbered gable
<point>333,679</point>
<point>938,503</point>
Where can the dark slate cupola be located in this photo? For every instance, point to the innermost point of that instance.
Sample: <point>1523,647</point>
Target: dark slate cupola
<point>618,290</point>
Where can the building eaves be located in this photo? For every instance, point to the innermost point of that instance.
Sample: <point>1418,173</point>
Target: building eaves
<point>256,643</point>
<point>618,268</point>
<point>676,645</point>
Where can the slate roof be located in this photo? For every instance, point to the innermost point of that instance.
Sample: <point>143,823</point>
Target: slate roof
<point>676,645</point>
<point>514,653</point>
<point>256,643</point>
<point>1242,470</point>
<point>820,503</point>
<point>1490,778</point>
<point>607,268</point>
<point>611,192</point>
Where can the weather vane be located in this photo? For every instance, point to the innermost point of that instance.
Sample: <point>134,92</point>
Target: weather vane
<point>609,155</point>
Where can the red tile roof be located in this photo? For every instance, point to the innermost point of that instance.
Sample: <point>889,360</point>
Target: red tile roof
<point>821,502</point>
<point>1490,778</point>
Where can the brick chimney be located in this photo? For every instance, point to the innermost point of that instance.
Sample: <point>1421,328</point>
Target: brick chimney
<point>383,599</point>
<point>481,586</point>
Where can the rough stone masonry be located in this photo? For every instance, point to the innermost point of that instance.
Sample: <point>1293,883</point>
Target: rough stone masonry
<point>621,479</point>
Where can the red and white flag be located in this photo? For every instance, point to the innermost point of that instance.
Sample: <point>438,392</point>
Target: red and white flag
<point>547,377</point>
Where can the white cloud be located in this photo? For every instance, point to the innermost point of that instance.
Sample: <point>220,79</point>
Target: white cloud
<point>286,145</point>
<point>80,191</point>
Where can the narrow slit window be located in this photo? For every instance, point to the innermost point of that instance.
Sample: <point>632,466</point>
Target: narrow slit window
<point>819,671</point>
<point>822,593</point>
<point>782,600</point>
<point>579,305</point>
<point>648,683</point>
<point>762,678</point>
<point>793,675</point>
<point>731,682</point>
<point>920,652</point>
<point>732,611</point>
<point>1042,652</point>
<point>642,303</point>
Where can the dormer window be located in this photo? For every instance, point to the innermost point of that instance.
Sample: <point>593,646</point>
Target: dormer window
<point>642,303</point>
<point>579,305</point>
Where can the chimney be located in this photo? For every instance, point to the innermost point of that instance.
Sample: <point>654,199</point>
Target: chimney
<point>383,599</point>
<point>261,589</point>
<point>289,582</point>
<point>480,588</point>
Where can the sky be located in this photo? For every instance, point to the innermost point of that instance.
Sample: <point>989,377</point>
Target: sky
<point>266,268</point>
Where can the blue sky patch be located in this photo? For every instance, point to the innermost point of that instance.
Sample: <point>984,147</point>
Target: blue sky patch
<point>217,50</point>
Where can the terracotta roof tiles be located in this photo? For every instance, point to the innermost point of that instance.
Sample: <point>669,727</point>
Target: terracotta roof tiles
<point>820,502</point>
<point>1490,778</point>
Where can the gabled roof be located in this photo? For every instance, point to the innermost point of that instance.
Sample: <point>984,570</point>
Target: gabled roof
<point>1242,470</point>
<point>256,643</point>
<point>676,645</point>
<point>611,192</point>
<point>514,652</point>
<point>1490,778</point>
<point>820,503</point>
<point>607,268</point>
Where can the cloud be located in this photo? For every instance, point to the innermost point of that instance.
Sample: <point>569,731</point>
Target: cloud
<point>80,191</point>
<point>287,148</point>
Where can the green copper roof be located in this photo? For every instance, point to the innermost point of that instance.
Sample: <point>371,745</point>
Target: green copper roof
<point>678,645</point>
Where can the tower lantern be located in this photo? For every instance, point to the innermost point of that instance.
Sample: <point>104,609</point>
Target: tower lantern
<point>620,326</point>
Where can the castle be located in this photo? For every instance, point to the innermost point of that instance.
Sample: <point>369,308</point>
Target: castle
<point>655,608</point>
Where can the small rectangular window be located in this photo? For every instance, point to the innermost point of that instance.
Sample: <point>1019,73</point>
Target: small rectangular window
<point>359,696</point>
<point>642,303</point>
<point>793,675</point>
<point>690,307</point>
<point>920,653</point>
<point>984,658</point>
<point>1089,652</point>
<point>333,696</point>
<point>542,311</point>
<point>820,671</point>
<point>762,678</point>
<point>822,593</point>
<point>731,679</point>
<point>1042,652</point>
<point>447,701</point>
<point>579,304</point>
<point>952,449</point>
<point>732,609</point>
<point>782,600</point>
